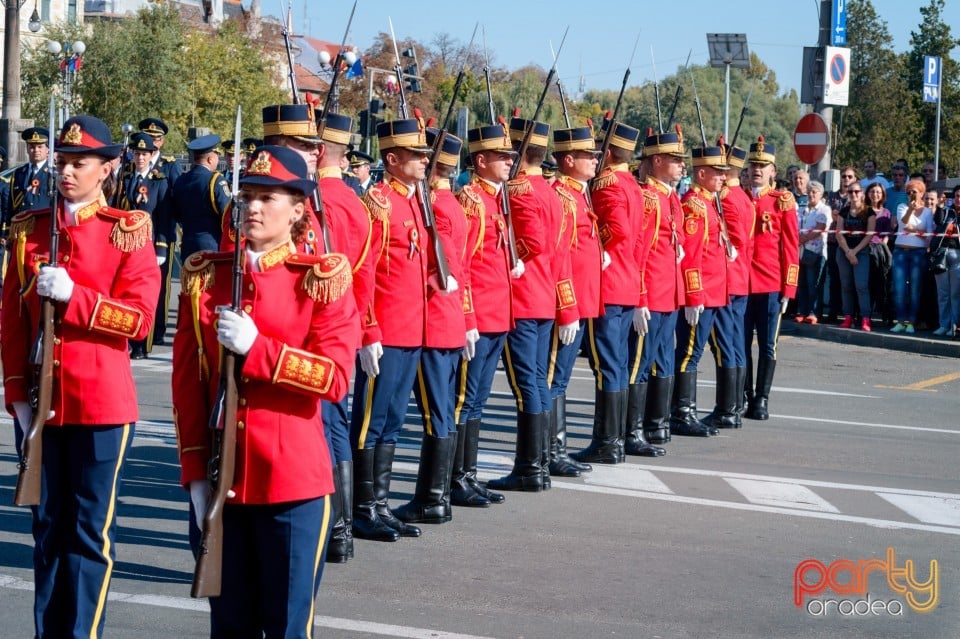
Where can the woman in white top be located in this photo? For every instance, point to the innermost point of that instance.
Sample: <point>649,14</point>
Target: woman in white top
<point>813,222</point>
<point>910,256</point>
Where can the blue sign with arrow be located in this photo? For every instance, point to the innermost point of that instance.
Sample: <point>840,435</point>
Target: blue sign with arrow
<point>838,24</point>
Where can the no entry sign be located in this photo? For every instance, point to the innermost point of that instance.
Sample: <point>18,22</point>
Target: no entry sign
<point>810,138</point>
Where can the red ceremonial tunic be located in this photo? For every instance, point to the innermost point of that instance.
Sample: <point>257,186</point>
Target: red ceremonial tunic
<point>304,353</point>
<point>489,297</point>
<point>775,267</point>
<point>664,218</point>
<point>704,245</point>
<point>619,204</point>
<point>739,214</point>
<point>536,224</point>
<point>399,248</point>
<point>446,323</point>
<point>109,255</point>
<point>586,252</point>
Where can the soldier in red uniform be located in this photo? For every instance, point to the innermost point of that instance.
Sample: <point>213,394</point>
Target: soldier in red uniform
<point>729,353</point>
<point>655,321</point>
<point>488,300</point>
<point>106,289</point>
<point>349,229</point>
<point>297,334</point>
<point>619,207</point>
<point>396,332</point>
<point>575,152</point>
<point>445,340</point>
<point>774,272</point>
<point>708,249</point>
<point>538,218</point>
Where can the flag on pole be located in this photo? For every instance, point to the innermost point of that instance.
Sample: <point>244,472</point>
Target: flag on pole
<point>356,70</point>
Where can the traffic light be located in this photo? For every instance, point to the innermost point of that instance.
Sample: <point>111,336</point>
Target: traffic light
<point>377,105</point>
<point>413,83</point>
<point>364,123</point>
<point>369,119</point>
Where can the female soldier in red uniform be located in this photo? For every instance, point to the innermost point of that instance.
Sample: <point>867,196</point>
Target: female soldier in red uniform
<point>106,289</point>
<point>297,335</point>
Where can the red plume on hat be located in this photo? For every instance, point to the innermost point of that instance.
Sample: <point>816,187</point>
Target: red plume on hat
<point>418,114</point>
<point>313,104</point>
<point>721,141</point>
<point>431,122</point>
<point>608,115</point>
<point>516,112</point>
<point>590,124</point>
<point>649,131</point>
<point>679,132</point>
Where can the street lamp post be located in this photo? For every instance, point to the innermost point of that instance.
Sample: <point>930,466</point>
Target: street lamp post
<point>349,58</point>
<point>11,125</point>
<point>70,57</point>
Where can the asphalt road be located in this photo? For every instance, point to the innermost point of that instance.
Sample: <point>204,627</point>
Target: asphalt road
<point>859,456</point>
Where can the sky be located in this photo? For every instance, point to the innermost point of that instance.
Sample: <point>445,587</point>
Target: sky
<point>601,36</point>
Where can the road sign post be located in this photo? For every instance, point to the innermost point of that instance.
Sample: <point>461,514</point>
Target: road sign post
<point>932,86</point>
<point>811,138</point>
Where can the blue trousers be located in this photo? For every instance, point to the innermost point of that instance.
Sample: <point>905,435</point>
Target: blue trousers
<point>909,266</point>
<point>380,403</point>
<point>526,358</point>
<point>562,359</point>
<point>726,339</point>
<point>656,356</point>
<point>336,428</point>
<point>475,378</point>
<point>74,527</point>
<point>272,564</point>
<point>763,316</point>
<point>692,339</point>
<point>606,337</point>
<point>435,388</point>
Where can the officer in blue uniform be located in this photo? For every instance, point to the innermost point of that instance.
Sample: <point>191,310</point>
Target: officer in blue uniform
<point>226,149</point>
<point>200,198</point>
<point>357,177</point>
<point>166,164</point>
<point>146,189</point>
<point>29,187</point>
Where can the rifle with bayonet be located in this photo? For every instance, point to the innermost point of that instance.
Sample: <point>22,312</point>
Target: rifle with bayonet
<point>120,192</point>
<point>676,96</point>
<point>422,187</point>
<point>612,120</point>
<point>563,98</point>
<point>445,122</point>
<point>40,395</point>
<point>221,466</point>
<point>505,199</point>
<point>724,236</point>
<point>656,92</point>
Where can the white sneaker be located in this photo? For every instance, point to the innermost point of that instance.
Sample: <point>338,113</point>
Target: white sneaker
<point>942,331</point>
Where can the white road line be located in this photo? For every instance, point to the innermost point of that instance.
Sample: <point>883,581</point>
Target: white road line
<point>802,482</point>
<point>622,476</point>
<point>199,605</point>
<point>769,493</point>
<point>929,510</point>
<point>871,425</point>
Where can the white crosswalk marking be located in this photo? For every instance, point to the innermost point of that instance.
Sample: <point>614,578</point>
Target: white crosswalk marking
<point>626,477</point>
<point>768,493</point>
<point>930,510</point>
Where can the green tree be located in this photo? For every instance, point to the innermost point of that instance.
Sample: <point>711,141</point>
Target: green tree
<point>880,122</point>
<point>934,37</point>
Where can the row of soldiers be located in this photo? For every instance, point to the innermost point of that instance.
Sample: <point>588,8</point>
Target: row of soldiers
<point>598,261</point>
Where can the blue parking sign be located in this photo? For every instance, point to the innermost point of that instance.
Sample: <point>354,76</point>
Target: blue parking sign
<point>931,78</point>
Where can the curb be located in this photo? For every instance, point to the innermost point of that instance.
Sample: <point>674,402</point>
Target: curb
<point>881,337</point>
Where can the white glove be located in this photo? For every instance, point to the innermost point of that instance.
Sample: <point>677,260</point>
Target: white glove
<point>517,270</point>
<point>470,349</point>
<point>783,304</point>
<point>236,331</point>
<point>732,255</point>
<point>55,283</point>
<point>605,262</point>
<point>24,416</point>
<point>641,319</point>
<point>452,286</point>
<point>200,498</point>
<point>568,332</point>
<point>370,358</point>
<point>680,253</point>
<point>161,261</point>
<point>692,314</point>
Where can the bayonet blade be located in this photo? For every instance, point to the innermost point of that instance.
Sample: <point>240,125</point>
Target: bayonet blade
<point>235,186</point>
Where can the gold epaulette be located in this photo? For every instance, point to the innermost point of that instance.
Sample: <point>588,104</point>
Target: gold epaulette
<point>605,179</point>
<point>695,206</point>
<point>378,202</point>
<point>169,158</point>
<point>650,201</point>
<point>566,198</point>
<point>519,186</point>
<point>471,202</point>
<point>24,223</point>
<point>197,274</point>
<point>328,278</point>
<point>133,230</point>
<point>723,192</point>
<point>786,201</point>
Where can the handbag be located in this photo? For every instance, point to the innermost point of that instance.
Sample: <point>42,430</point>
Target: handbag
<point>937,261</point>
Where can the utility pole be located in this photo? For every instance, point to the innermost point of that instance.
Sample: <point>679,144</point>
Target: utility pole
<point>11,125</point>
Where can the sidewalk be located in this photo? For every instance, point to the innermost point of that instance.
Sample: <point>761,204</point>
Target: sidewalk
<point>923,343</point>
